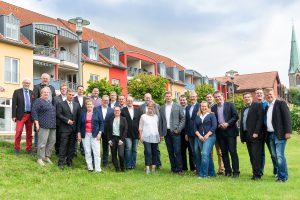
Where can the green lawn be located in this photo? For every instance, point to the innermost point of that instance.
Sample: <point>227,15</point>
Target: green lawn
<point>22,178</point>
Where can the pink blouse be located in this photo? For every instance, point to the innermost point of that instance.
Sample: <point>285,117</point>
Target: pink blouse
<point>88,123</point>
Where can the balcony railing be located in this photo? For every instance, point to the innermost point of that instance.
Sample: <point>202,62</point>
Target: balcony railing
<point>56,84</point>
<point>133,71</point>
<point>68,56</point>
<point>46,51</point>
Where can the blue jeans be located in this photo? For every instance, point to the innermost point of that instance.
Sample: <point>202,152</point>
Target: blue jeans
<point>277,151</point>
<point>150,152</point>
<point>204,161</point>
<point>267,141</point>
<point>173,142</point>
<point>130,152</point>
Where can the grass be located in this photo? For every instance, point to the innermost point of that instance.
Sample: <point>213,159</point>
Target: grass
<point>22,178</point>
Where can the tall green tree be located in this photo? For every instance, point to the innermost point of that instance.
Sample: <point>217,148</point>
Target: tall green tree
<point>238,102</point>
<point>295,114</point>
<point>202,90</point>
<point>295,96</point>
<point>104,86</point>
<point>142,84</point>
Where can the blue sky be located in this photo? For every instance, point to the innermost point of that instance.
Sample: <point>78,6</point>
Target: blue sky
<point>211,37</point>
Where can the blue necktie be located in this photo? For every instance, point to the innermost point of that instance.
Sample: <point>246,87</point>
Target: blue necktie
<point>27,102</point>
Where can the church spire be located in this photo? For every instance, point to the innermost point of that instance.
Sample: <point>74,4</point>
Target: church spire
<point>294,57</point>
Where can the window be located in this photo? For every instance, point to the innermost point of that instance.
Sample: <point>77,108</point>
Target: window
<point>6,124</point>
<point>177,94</point>
<point>94,77</point>
<point>114,56</point>
<point>93,53</point>
<point>115,82</point>
<point>162,70</point>
<point>12,27</point>
<point>298,79</point>
<point>11,70</point>
<point>176,74</point>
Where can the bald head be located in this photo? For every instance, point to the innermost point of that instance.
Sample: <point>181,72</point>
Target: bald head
<point>45,79</point>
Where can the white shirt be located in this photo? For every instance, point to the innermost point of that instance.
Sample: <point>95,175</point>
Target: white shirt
<point>80,99</point>
<point>203,116</point>
<point>63,97</point>
<point>149,126</point>
<point>112,104</point>
<point>270,127</point>
<point>168,114</point>
<point>104,111</point>
<point>131,112</point>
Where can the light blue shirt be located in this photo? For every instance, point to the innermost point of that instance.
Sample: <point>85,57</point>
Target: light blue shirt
<point>25,101</point>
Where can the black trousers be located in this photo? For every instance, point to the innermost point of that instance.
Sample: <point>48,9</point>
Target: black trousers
<point>255,154</point>
<point>185,145</point>
<point>57,143</point>
<point>118,151</point>
<point>228,146</point>
<point>66,148</point>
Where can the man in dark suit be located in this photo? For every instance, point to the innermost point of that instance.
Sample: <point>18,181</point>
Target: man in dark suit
<point>171,123</point>
<point>251,132</point>
<point>68,113</point>
<point>190,115</point>
<point>185,145</point>
<point>45,81</point>
<point>80,98</point>
<point>21,114</point>
<point>143,109</point>
<point>227,133</point>
<point>121,101</point>
<point>279,129</point>
<point>57,100</point>
<point>132,116</point>
<point>113,99</point>
<point>107,114</point>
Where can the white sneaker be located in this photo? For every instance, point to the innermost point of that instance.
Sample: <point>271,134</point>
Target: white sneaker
<point>40,162</point>
<point>48,161</point>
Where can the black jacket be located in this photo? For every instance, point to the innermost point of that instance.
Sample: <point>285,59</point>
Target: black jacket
<point>281,119</point>
<point>64,114</point>
<point>18,103</point>
<point>254,123</point>
<point>231,117</point>
<point>133,124</point>
<point>84,99</point>
<point>123,128</point>
<point>37,91</point>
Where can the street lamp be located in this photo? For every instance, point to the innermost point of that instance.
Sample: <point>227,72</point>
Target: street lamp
<point>80,23</point>
<point>231,74</point>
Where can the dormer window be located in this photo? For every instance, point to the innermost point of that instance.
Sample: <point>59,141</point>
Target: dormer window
<point>176,74</point>
<point>11,27</point>
<point>114,56</point>
<point>93,53</point>
<point>162,69</point>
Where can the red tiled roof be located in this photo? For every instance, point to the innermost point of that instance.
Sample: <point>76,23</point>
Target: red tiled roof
<point>24,42</point>
<point>100,61</point>
<point>27,17</point>
<point>252,81</point>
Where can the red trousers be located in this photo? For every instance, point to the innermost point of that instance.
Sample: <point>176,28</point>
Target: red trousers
<point>26,119</point>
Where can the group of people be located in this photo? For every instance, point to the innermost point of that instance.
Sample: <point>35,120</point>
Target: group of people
<point>63,120</point>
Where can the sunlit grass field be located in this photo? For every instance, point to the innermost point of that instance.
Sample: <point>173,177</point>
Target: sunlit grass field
<point>22,178</point>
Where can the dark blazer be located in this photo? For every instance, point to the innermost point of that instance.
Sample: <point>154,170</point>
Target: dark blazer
<point>64,114</point>
<point>84,99</point>
<point>18,103</point>
<point>230,116</point>
<point>281,119</point>
<point>56,101</point>
<point>133,124</point>
<point>109,115</point>
<point>123,128</point>
<point>37,91</point>
<point>97,123</point>
<point>254,123</point>
<point>190,121</point>
<point>209,124</point>
<point>116,104</point>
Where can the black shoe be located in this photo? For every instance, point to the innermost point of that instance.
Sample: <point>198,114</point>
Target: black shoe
<point>228,174</point>
<point>280,181</point>
<point>29,152</point>
<point>255,178</point>
<point>90,170</point>
<point>220,173</point>
<point>61,167</point>
<point>17,152</point>
<point>70,164</point>
<point>235,175</point>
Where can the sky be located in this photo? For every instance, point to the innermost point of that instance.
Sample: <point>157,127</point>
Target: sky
<point>211,37</point>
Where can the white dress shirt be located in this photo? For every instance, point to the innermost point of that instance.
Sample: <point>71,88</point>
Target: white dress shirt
<point>63,97</point>
<point>104,111</point>
<point>270,127</point>
<point>168,114</point>
<point>131,112</point>
<point>80,99</point>
<point>112,104</point>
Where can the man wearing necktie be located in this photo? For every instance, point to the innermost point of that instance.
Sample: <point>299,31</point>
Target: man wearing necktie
<point>68,112</point>
<point>21,114</point>
<point>251,132</point>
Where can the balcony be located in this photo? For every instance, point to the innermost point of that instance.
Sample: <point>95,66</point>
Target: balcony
<point>133,71</point>
<point>56,83</point>
<point>68,59</point>
<point>46,54</point>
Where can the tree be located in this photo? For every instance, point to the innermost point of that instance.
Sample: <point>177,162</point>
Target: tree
<point>142,84</point>
<point>295,96</point>
<point>295,114</point>
<point>202,90</point>
<point>238,102</point>
<point>104,87</point>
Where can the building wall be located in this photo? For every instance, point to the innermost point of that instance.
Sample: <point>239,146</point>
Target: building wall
<point>121,75</point>
<point>89,68</point>
<point>176,88</point>
<point>25,57</point>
